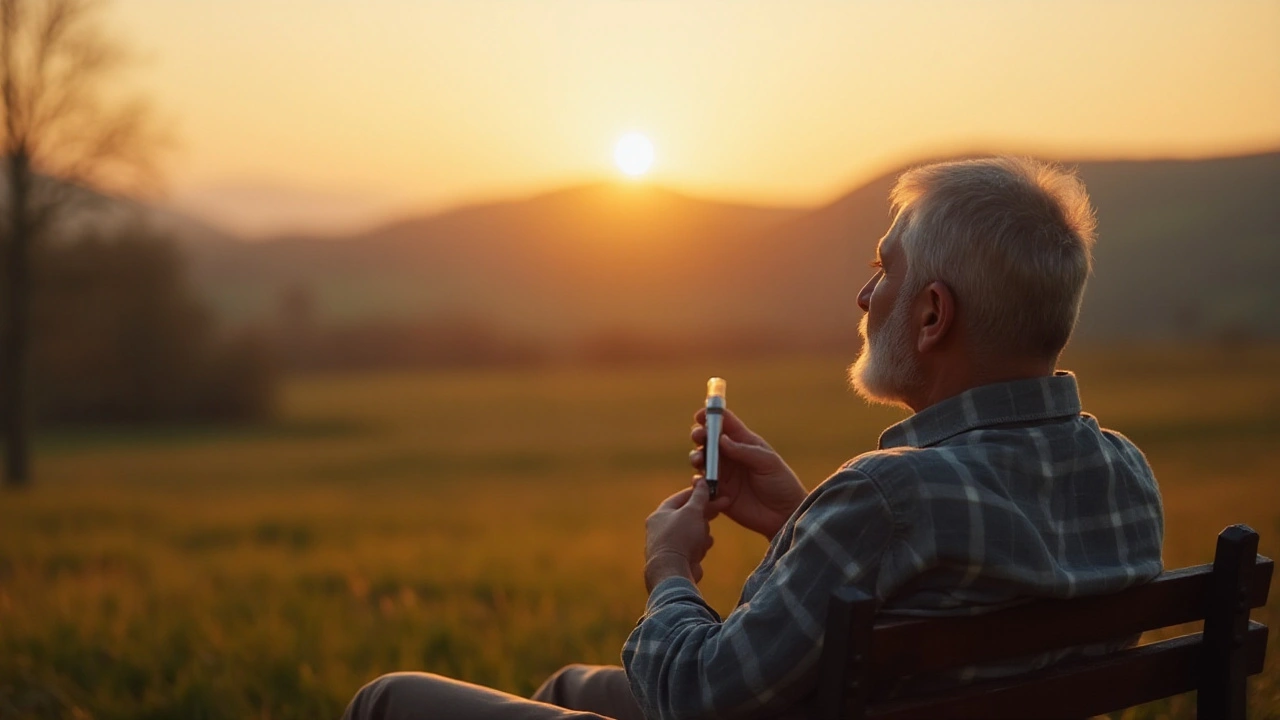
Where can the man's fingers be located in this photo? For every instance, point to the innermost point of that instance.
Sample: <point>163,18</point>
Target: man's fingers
<point>733,427</point>
<point>738,430</point>
<point>698,434</point>
<point>678,500</point>
<point>755,456</point>
<point>697,458</point>
<point>751,455</point>
<point>717,506</point>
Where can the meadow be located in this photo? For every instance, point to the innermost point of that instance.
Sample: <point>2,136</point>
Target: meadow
<point>484,524</point>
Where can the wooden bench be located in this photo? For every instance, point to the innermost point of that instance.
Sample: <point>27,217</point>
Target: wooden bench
<point>863,654</point>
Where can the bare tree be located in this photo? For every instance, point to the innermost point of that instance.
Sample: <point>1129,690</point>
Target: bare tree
<point>61,136</point>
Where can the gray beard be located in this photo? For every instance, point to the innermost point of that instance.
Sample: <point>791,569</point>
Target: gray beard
<point>887,370</point>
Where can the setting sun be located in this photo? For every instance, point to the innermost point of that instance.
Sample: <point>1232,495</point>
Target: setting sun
<point>633,154</point>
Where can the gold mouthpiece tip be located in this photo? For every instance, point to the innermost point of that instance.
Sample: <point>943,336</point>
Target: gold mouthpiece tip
<point>715,387</point>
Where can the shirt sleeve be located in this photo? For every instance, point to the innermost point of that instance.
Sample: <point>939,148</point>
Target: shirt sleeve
<point>684,662</point>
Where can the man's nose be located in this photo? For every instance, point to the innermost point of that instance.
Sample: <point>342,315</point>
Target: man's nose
<point>864,295</point>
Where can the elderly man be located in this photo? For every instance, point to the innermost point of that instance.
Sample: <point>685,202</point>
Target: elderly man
<point>997,489</point>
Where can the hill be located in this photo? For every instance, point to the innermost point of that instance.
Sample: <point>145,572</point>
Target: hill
<point>1187,249</point>
<point>558,265</point>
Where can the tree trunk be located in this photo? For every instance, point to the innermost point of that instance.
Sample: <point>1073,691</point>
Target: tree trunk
<point>13,352</point>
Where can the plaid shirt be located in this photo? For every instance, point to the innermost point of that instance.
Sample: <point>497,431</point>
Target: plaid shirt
<point>1002,493</point>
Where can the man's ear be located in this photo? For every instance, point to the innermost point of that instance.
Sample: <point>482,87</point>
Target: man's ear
<point>937,316</point>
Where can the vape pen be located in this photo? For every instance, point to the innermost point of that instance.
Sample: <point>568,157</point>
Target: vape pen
<point>715,420</point>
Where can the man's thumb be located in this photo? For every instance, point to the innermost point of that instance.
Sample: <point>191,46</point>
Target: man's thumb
<point>701,494</point>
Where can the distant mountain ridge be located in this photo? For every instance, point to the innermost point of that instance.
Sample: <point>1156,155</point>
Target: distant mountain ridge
<point>1187,249</point>
<point>558,265</point>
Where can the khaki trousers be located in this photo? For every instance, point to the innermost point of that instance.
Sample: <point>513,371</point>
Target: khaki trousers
<point>576,692</point>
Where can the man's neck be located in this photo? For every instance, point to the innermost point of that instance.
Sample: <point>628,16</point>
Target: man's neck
<point>951,379</point>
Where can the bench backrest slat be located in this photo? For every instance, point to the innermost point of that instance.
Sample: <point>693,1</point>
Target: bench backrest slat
<point>1180,596</point>
<point>1133,676</point>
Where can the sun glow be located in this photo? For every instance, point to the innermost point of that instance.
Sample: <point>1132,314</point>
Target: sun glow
<point>633,154</point>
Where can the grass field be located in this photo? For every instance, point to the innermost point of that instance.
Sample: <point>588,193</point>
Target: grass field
<point>482,524</point>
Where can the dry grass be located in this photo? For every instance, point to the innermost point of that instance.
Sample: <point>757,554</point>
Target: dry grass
<point>486,525</point>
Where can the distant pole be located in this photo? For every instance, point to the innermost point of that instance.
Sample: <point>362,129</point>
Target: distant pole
<point>13,355</point>
<point>17,328</point>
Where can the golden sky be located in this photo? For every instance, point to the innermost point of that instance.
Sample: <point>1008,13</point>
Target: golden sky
<point>330,113</point>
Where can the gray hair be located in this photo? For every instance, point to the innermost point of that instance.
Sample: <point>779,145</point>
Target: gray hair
<point>1011,238</point>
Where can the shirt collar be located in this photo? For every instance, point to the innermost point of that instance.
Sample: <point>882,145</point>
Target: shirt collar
<point>1018,401</point>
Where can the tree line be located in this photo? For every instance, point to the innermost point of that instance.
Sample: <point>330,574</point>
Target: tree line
<point>118,336</point>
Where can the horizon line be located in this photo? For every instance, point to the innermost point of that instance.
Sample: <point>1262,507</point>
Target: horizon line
<point>407,212</point>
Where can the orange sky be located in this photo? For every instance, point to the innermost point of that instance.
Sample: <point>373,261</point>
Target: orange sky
<point>330,113</point>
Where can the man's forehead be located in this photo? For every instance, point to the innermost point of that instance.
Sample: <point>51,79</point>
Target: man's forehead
<point>893,236</point>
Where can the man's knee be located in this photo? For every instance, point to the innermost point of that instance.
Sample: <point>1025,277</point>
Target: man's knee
<point>554,689</point>
<point>601,689</point>
<point>573,670</point>
<point>376,699</point>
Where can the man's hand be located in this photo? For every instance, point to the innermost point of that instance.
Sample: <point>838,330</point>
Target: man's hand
<point>677,537</point>
<point>756,490</point>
